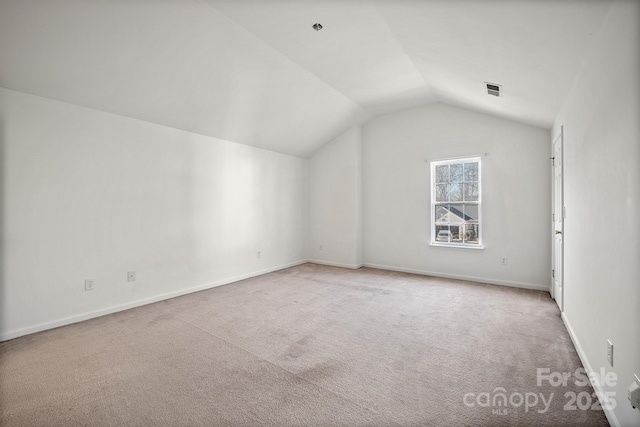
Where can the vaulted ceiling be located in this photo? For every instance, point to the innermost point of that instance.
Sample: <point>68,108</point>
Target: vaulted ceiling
<point>255,72</point>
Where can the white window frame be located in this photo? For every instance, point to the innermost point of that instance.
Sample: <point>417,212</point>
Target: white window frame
<point>435,204</point>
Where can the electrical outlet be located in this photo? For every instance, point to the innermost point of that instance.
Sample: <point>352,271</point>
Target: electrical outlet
<point>610,352</point>
<point>131,276</point>
<point>88,285</point>
<point>504,261</point>
<point>320,247</point>
<point>259,254</point>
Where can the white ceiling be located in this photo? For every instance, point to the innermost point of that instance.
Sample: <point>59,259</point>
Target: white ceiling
<point>255,72</point>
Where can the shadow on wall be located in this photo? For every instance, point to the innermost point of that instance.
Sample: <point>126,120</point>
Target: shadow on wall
<point>3,171</point>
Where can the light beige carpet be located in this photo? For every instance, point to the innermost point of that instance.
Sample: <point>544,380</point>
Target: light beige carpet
<point>309,345</point>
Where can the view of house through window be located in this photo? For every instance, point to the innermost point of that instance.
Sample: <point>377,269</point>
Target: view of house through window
<point>455,202</point>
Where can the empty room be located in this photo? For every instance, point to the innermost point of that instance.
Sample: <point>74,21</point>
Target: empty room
<point>320,212</point>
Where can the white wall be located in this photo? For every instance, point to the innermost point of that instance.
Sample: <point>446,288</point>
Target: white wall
<point>87,194</point>
<point>602,197</point>
<point>335,201</point>
<point>516,195</point>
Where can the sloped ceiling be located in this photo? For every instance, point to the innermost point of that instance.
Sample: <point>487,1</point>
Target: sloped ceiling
<point>255,72</point>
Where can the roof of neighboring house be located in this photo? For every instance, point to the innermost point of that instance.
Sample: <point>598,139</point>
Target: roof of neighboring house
<point>454,211</point>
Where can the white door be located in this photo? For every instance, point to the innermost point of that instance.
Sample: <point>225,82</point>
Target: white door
<point>558,222</point>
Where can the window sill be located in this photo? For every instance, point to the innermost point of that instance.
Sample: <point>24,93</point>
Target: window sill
<point>453,245</point>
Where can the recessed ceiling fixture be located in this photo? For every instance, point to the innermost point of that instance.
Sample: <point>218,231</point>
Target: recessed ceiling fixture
<point>494,89</point>
<point>317,26</point>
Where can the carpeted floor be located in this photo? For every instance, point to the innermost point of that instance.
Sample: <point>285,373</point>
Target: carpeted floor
<point>309,345</point>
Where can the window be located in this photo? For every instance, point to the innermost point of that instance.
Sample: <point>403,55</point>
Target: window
<point>456,203</point>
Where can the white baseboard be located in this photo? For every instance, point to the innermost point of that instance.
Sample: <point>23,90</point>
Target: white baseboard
<point>335,264</point>
<point>608,412</point>
<point>460,277</point>
<point>121,307</point>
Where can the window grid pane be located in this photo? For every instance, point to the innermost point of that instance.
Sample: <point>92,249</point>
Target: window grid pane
<point>456,202</point>
<point>442,173</point>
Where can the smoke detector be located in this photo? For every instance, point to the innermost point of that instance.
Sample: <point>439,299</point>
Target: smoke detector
<point>494,89</point>
<point>317,26</point>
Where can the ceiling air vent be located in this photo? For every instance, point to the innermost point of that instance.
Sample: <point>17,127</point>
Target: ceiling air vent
<point>494,89</point>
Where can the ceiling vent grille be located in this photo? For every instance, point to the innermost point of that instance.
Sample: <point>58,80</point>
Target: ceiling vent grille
<point>494,89</point>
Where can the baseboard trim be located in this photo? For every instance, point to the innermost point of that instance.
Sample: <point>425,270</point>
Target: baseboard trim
<point>335,264</point>
<point>611,416</point>
<point>121,307</point>
<point>460,277</point>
